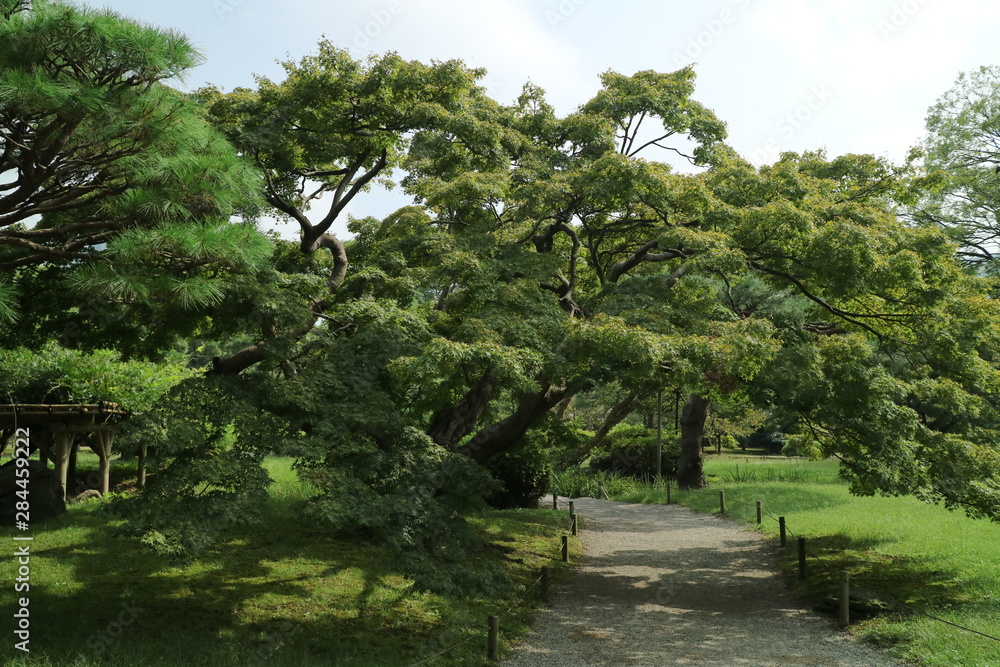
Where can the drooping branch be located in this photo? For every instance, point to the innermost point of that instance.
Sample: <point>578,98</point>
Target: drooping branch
<point>256,353</point>
<point>449,425</point>
<point>504,434</point>
<point>853,318</point>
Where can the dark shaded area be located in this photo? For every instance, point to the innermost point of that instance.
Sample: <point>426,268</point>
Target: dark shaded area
<point>41,493</point>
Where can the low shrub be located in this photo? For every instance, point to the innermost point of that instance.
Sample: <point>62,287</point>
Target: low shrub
<point>524,471</point>
<point>630,450</point>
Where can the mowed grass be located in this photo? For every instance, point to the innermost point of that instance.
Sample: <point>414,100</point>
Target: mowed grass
<point>921,558</point>
<point>288,592</point>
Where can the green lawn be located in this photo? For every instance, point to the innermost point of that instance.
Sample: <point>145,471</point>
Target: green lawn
<point>284,593</point>
<point>934,561</point>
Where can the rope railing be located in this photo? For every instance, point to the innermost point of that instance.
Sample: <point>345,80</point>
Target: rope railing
<point>492,649</point>
<point>896,604</point>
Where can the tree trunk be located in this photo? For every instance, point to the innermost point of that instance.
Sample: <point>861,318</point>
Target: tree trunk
<point>690,473</point>
<point>563,407</point>
<point>450,425</point>
<point>504,434</point>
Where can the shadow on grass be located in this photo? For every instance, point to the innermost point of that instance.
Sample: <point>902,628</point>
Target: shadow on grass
<point>282,593</point>
<point>897,584</point>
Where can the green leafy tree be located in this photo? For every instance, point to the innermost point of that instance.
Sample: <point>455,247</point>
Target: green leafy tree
<point>962,157</point>
<point>324,135</point>
<point>109,179</point>
<point>550,256</point>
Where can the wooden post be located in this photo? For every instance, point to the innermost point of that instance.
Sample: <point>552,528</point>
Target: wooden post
<point>571,511</point>
<point>60,455</point>
<point>668,490</point>
<point>555,501</point>
<point>565,548</point>
<point>102,440</point>
<point>722,502</point>
<point>493,646</point>
<point>802,558</point>
<point>659,434</point>
<point>845,598</point>
<point>781,530</point>
<point>71,480</point>
<point>760,512</point>
<point>572,526</point>
<point>545,583</point>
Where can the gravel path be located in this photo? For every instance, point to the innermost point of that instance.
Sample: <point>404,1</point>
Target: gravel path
<point>664,585</point>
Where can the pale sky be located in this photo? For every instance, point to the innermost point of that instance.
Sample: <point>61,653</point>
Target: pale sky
<point>850,76</point>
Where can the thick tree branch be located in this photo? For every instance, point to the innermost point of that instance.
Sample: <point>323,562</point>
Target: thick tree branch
<point>642,254</point>
<point>504,434</point>
<point>237,363</point>
<point>449,425</point>
<point>343,195</point>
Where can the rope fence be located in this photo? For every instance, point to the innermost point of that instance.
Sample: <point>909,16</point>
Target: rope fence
<point>492,632</point>
<point>898,605</point>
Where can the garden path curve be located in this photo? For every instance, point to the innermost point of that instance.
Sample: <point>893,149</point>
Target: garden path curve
<point>665,585</point>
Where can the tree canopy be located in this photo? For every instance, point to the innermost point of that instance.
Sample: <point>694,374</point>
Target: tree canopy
<point>617,251</point>
<point>108,176</point>
<point>963,159</point>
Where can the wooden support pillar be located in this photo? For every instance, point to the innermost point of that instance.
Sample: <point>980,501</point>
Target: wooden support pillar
<point>102,444</point>
<point>44,443</point>
<point>59,451</point>
<point>74,449</point>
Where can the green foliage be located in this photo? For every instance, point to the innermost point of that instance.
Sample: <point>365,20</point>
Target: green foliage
<point>238,606</point>
<point>208,443</point>
<point>803,445</point>
<point>960,157</point>
<point>772,442</point>
<point>132,210</point>
<point>630,450</point>
<point>524,470</point>
<point>581,483</point>
<point>414,500</point>
<point>58,375</point>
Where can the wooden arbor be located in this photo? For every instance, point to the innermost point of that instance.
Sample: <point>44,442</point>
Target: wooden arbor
<point>53,426</point>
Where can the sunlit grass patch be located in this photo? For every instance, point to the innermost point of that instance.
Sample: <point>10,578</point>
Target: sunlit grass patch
<point>286,592</point>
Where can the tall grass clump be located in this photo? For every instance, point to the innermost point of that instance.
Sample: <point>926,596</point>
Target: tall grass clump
<point>581,483</point>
